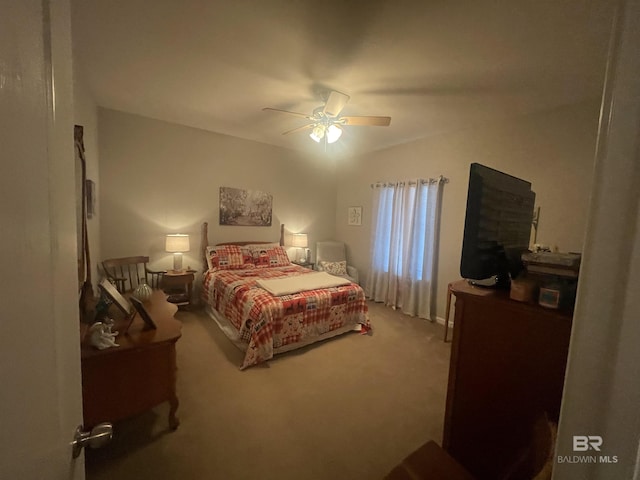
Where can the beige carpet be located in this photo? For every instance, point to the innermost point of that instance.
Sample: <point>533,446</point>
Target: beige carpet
<point>348,408</point>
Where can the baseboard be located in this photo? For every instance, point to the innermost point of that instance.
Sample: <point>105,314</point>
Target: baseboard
<point>440,321</point>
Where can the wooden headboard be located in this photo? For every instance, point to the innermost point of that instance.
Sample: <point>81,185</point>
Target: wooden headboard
<point>204,242</point>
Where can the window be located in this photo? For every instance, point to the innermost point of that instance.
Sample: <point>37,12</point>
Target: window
<point>404,243</point>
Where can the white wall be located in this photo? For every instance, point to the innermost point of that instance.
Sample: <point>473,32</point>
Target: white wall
<point>553,150</point>
<point>160,178</point>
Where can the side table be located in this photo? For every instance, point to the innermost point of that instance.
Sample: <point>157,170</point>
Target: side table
<point>447,312</point>
<point>309,265</point>
<point>178,285</point>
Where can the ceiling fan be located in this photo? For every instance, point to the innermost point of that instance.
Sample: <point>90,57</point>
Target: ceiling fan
<point>325,122</point>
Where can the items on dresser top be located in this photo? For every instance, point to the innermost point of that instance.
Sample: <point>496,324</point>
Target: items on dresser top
<point>556,276</point>
<point>566,265</point>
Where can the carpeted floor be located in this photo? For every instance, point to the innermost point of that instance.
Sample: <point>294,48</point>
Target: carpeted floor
<point>348,408</point>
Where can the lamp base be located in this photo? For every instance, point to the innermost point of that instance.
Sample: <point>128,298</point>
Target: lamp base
<point>177,262</point>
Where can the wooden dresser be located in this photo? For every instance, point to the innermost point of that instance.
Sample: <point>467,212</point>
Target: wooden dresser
<point>123,381</point>
<point>507,367</point>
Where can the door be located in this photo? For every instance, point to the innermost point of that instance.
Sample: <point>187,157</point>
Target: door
<point>40,399</point>
<point>602,387</point>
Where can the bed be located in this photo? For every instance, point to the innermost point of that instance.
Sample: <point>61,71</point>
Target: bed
<point>238,279</point>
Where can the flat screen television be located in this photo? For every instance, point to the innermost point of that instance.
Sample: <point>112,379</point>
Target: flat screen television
<point>497,226</point>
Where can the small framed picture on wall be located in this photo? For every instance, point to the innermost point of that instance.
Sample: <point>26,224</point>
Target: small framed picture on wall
<point>354,216</point>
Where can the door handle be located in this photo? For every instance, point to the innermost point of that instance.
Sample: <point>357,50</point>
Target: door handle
<point>98,437</point>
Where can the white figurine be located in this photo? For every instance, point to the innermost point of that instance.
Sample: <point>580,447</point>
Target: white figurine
<point>108,325</point>
<point>101,337</point>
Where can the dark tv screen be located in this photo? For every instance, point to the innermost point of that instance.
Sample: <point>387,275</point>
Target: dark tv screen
<point>497,225</point>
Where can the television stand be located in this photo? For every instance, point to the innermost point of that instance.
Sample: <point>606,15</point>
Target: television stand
<point>507,367</point>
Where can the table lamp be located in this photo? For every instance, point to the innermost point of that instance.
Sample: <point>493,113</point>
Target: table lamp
<point>300,240</point>
<point>177,243</point>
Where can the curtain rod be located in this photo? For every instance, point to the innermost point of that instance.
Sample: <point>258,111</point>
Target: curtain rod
<point>380,183</point>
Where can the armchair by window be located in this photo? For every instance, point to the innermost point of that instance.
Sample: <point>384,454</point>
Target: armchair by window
<point>331,256</point>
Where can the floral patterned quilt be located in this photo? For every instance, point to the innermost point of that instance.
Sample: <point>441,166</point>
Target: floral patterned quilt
<point>266,323</point>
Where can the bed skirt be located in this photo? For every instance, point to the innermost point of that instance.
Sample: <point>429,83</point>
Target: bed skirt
<point>232,334</point>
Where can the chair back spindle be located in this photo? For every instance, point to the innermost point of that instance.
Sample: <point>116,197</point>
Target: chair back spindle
<point>128,272</point>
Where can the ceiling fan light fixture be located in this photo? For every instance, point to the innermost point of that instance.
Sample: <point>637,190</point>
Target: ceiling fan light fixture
<point>317,133</point>
<point>326,121</point>
<point>333,133</point>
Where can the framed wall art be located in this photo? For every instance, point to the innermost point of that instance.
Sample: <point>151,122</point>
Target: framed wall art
<point>241,207</point>
<point>354,216</point>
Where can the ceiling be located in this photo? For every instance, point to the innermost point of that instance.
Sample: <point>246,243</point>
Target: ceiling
<point>433,66</point>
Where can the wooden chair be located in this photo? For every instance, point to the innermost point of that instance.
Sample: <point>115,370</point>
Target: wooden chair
<point>429,462</point>
<point>128,272</point>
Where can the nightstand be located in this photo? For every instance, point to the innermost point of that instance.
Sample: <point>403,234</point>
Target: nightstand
<point>179,286</point>
<point>309,265</point>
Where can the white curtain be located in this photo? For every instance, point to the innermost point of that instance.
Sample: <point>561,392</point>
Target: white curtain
<point>405,232</point>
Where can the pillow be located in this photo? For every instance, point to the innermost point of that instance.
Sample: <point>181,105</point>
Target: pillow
<point>228,257</point>
<point>269,256</point>
<point>334,268</point>
<point>253,246</point>
<point>253,249</point>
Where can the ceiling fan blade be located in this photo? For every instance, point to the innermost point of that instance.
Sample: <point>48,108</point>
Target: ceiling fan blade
<point>309,117</point>
<point>365,121</point>
<point>335,103</point>
<point>299,129</point>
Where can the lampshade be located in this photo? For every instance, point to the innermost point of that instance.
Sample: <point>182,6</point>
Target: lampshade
<point>318,133</point>
<point>333,133</point>
<point>177,243</point>
<point>300,240</point>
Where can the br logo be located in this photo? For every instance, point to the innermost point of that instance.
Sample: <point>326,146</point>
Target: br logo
<point>583,443</point>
